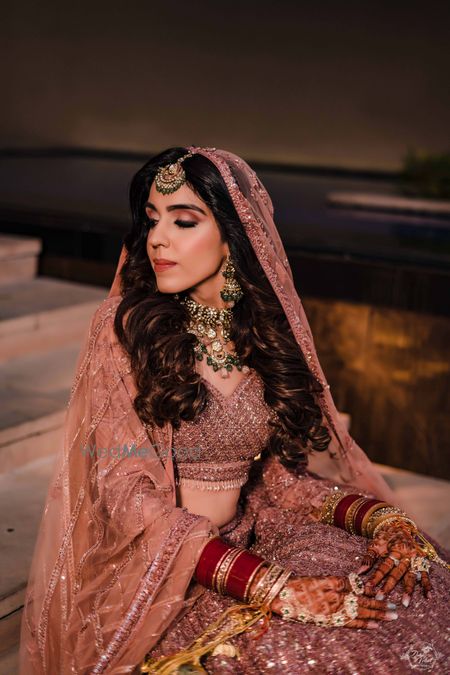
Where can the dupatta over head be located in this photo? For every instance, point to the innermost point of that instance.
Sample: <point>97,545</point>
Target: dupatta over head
<point>115,556</point>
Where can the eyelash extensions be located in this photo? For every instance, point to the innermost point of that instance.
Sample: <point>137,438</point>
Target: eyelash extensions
<point>180,223</point>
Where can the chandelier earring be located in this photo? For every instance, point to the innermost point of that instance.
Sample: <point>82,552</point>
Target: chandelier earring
<point>231,291</point>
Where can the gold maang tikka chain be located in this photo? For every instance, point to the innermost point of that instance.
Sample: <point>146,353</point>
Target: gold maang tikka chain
<point>214,324</point>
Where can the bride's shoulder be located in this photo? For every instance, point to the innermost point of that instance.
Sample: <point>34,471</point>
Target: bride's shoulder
<point>106,309</point>
<point>103,317</point>
<point>102,340</point>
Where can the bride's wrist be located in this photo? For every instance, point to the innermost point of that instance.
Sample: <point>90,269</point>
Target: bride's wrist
<point>278,601</point>
<point>391,525</point>
<point>234,571</point>
<point>360,515</point>
<point>227,569</point>
<point>257,578</point>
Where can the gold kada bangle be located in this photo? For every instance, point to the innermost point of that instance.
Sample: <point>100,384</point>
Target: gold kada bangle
<point>368,516</point>
<point>265,584</point>
<point>381,514</point>
<point>251,578</point>
<point>277,587</point>
<point>225,567</point>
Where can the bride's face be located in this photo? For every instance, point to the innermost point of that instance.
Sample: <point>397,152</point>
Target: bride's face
<point>183,229</point>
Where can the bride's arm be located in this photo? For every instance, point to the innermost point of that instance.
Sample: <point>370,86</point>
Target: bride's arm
<point>304,493</point>
<point>325,600</point>
<point>318,499</point>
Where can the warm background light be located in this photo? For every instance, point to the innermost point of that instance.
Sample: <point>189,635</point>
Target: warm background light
<point>338,84</point>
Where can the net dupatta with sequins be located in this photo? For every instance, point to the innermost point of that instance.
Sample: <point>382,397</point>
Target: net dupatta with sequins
<point>345,460</point>
<point>114,557</point>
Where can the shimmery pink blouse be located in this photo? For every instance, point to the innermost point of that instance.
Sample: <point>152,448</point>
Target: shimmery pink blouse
<point>216,450</point>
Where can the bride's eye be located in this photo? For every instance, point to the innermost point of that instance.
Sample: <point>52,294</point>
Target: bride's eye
<point>186,223</point>
<point>181,223</point>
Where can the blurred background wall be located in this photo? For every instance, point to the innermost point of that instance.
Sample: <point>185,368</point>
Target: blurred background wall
<point>343,84</point>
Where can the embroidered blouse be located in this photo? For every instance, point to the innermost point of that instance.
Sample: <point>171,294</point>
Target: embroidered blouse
<point>216,450</point>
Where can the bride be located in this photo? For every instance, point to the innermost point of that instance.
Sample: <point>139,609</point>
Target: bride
<point>185,529</point>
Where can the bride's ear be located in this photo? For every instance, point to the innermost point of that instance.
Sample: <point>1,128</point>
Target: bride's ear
<point>226,251</point>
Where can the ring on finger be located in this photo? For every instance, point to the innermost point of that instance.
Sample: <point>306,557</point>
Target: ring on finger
<point>396,560</point>
<point>420,564</point>
<point>371,553</point>
<point>356,583</point>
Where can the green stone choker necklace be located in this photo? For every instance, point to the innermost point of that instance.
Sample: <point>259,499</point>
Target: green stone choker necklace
<point>213,324</point>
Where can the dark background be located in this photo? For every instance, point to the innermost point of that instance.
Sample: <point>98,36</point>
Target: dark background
<point>342,84</point>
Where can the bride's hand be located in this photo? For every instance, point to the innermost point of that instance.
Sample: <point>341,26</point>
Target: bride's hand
<point>394,547</point>
<point>326,594</point>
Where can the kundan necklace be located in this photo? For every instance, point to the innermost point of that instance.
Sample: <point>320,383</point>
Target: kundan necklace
<point>212,324</point>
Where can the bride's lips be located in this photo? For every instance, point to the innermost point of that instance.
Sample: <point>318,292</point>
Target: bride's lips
<point>160,267</point>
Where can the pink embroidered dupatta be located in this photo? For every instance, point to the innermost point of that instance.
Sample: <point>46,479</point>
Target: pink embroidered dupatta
<point>115,555</point>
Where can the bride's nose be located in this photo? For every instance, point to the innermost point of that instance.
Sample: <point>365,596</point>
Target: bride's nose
<point>157,237</point>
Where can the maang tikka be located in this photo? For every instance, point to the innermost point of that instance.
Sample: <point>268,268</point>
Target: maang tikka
<point>172,176</point>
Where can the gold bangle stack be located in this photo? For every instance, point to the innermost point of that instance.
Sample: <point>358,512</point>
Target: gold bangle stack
<point>277,587</point>
<point>265,584</point>
<point>380,515</point>
<point>377,515</point>
<point>351,513</point>
<point>368,516</point>
<point>329,507</point>
<point>393,518</point>
<point>224,567</point>
<point>251,578</point>
<point>217,569</point>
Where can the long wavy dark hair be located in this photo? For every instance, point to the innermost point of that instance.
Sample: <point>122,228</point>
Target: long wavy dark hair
<point>161,350</point>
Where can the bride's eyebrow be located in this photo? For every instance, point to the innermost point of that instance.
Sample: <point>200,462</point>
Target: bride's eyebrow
<point>174,207</point>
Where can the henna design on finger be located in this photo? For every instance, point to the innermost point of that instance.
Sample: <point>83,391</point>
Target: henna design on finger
<point>368,559</point>
<point>383,605</point>
<point>395,576</point>
<point>409,581</point>
<point>426,583</point>
<point>361,623</point>
<point>383,568</point>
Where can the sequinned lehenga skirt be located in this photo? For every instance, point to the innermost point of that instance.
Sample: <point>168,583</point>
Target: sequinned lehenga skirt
<point>418,641</point>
